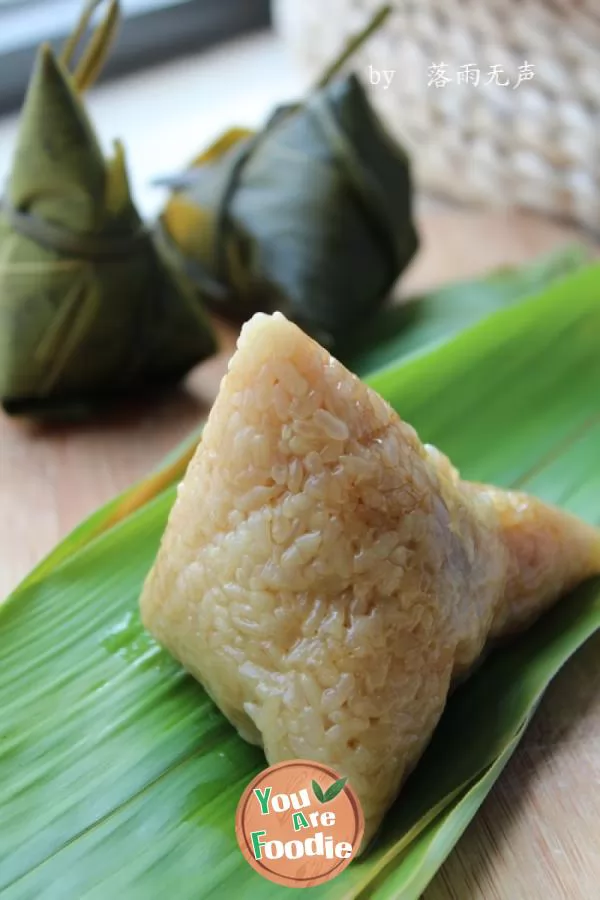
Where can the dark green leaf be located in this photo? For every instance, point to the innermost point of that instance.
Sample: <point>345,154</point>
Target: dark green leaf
<point>317,791</point>
<point>419,322</point>
<point>88,308</point>
<point>312,215</point>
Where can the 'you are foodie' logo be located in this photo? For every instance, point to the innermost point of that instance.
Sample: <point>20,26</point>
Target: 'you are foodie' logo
<point>299,824</point>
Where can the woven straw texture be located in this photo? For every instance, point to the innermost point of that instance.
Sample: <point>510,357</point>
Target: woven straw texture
<point>536,145</point>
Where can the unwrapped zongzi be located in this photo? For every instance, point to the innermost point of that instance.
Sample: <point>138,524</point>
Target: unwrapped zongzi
<point>326,576</point>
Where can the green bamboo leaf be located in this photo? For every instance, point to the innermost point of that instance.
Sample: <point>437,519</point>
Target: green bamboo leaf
<point>89,310</point>
<point>421,321</point>
<point>334,789</point>
<point>324,174</point>
<point>535,658</point>
<point>118,772</point>
<point>318,792</point>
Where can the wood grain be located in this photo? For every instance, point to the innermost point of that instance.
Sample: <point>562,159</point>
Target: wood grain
<point>537,836</point>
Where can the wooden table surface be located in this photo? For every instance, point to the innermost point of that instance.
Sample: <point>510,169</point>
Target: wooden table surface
<point>537,836</point>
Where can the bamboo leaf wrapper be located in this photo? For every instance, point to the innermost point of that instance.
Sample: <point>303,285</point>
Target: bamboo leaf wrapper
<point>312,215</point>
<point>87,308</point>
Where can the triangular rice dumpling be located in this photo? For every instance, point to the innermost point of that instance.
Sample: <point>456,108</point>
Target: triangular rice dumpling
<point>311,215</point>
<point>87,307</point>
<point>327,577</point>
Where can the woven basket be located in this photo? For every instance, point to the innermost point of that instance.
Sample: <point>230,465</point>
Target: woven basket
<point>536,145</point>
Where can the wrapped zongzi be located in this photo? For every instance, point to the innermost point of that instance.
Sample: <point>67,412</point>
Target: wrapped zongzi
<point>311,215</point>
<point>87,307</point>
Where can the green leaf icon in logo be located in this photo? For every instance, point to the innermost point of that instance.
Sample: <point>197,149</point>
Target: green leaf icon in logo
<point>318,792</point>
<point>334,789</point>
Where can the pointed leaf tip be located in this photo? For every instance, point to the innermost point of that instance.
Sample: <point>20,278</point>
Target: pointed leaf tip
<point>57,154</point>
<point>47,68</point>
<point>46,53</point>
<point>334,789</point>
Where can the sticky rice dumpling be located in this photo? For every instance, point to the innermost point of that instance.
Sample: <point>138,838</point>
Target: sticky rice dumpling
<point>312,215</point>
<point>88,310</point>
<point>326,576</point>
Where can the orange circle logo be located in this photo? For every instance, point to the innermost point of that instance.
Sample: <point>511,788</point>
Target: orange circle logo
<point>299,824</point>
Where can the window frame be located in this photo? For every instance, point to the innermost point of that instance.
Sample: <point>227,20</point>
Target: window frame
<point>152,32</point>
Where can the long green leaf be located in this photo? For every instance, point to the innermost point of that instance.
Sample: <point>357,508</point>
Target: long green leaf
<point>533,660</point>
<point>426,319</point>
<point>120,777</point>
